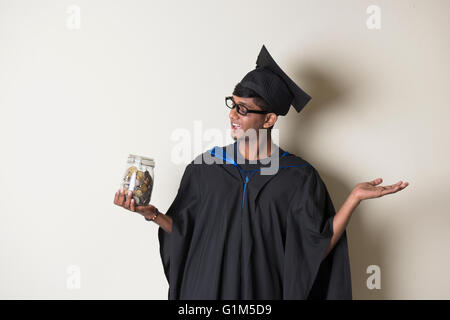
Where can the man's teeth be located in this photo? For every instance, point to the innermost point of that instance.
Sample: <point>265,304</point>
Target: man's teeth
<point>235,125</point>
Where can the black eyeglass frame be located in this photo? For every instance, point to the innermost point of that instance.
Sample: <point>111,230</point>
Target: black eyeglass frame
<point>241,107</point>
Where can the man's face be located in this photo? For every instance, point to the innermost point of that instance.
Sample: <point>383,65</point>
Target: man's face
<point>239,123</point>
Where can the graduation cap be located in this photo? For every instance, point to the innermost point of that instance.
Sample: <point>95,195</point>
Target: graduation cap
<point>274,86</point>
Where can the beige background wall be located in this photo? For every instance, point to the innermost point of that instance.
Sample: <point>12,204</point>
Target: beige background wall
<point>75,102</point>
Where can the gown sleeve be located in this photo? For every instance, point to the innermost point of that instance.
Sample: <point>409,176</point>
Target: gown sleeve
<point>174,247</point>
<point>308,235</point>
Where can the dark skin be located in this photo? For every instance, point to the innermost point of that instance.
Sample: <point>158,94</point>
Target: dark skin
<point>251,120</point>
<point>126,201</point>
<point>255,149</point>
<point>252,147</point>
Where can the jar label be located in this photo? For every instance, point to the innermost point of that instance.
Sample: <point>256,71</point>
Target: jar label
<point>132,182</point>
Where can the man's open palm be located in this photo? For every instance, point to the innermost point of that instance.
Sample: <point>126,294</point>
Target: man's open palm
<point>368,190</point>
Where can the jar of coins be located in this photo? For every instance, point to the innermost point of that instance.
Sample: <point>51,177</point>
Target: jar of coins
<point>138,177</point>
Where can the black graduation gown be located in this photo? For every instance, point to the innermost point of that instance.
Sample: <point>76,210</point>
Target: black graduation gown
<point>239,234</point>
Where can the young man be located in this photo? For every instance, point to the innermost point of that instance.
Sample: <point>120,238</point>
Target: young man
<point>243,228</point>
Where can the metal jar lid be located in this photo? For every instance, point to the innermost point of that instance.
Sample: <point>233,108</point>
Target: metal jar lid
<point>144,160</point>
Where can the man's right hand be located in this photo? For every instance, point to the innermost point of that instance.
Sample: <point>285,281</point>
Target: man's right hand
<point>126,201</point>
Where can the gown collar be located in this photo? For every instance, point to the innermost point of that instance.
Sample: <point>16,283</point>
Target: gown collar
<point>231,155</point>
<point>253,179</point>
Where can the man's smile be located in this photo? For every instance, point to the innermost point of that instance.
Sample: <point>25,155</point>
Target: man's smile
<point>235,126</point>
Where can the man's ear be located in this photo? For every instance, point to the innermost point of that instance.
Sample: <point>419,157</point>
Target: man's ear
<point>270,120</point>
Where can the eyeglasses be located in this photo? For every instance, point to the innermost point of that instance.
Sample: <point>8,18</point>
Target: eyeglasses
<point>240,108</point>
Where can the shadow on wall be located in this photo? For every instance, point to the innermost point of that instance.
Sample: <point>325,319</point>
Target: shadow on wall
<point>365,247</point>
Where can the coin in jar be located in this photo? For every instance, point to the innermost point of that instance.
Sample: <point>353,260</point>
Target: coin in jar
<point>131,170</point>
<point>140,175</point>
<point>138,182</point>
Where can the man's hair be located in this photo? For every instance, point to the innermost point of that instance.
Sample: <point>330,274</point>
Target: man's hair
<point>243,92</point>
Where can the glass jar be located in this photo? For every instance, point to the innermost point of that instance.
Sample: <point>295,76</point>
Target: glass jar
<point>139,178</point>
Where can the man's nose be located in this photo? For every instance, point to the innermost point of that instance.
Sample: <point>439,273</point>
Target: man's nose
<point>233,114</point>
